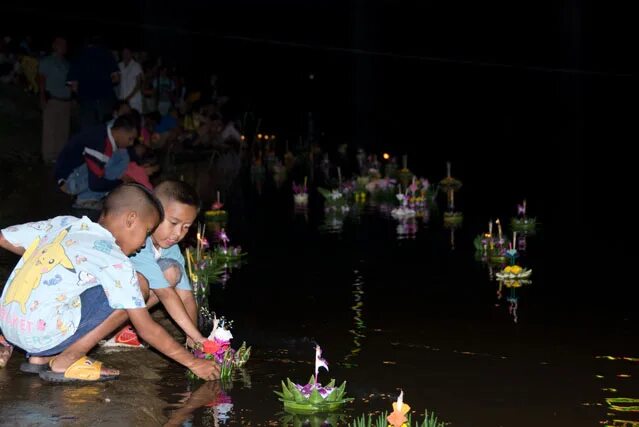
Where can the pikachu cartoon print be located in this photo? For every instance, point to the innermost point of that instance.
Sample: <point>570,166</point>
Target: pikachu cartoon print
<point>38,260</point>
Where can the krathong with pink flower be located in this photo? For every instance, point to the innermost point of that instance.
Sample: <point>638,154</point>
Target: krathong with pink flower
<point>313,397</point>
<point>216,213</point>
<point>300,193</point>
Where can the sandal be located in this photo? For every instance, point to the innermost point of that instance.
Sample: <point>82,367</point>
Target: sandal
<point>82,370</point>
<point>33,368</point>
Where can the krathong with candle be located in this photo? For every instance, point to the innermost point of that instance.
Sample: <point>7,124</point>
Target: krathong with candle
<point>522,222</point>
<point>313,397</point>
<point>490,247</point>
<point>203,266</point>
<point>405,176</point>
<point>449,183</point>
<point>216,213</point>
<point>400,417</point>
<point>218,348</point>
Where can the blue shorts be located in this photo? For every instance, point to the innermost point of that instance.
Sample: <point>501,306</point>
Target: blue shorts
<point>95,310</point>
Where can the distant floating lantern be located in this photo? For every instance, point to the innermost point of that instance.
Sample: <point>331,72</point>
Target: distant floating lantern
<point>242,137</point>
<point>272,136</point>
<point>266,137</point>
<point>386,156</point>
<point>259,136</point>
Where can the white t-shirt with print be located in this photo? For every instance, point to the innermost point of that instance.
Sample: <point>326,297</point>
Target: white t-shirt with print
<point>40,305</point>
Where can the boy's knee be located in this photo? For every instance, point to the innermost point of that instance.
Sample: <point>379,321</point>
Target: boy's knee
<point>171,270</point>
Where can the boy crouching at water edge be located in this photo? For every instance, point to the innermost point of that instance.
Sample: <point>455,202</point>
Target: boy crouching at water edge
<point>75,284</point>
<point>160,263</point>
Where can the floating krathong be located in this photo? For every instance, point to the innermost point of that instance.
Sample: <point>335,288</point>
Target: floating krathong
<point>313,397</point>
<point>522,223</point>
<point>300,193</point>
<point>216,213</point>
<point>513,272</point>
<point>226,252</point>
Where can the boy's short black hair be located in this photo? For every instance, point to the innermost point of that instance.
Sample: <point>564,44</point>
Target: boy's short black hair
<point>132,196</point>
<point>127,122</point>
<point>178,191</point>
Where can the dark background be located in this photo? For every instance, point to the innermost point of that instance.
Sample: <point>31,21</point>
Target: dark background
<point>528,99</point>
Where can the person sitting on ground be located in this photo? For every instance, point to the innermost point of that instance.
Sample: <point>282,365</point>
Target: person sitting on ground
<point>81,168</point>
<point>75,284</point>
<point>161,264</point>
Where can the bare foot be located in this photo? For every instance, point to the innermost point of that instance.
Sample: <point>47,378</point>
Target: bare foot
<point>5,352</point>
<point>36,360</point>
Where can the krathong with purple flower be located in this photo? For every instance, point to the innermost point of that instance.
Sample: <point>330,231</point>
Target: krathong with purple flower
<point>226,252</point>
<point>313,397</point>
<point>522,223</point>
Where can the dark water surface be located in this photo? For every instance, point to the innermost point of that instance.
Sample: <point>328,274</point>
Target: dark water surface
<point>390,312</point>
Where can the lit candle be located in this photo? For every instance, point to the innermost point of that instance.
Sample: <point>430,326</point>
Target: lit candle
<point>339,175</point>
<point>498,228</point>
<point>448,169</point>
<point>188,263</point>
<point>524,207</point>
<point>405,161</point>
<point>451,199</point>
<point>218,197</point>
<point>490,228</point>
<point>514,240</point>
<point>197,250</point>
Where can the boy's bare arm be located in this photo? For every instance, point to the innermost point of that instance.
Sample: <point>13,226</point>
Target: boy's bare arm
<point>189,303</point>
<point>4,244</point>
<point>178,312</point>
<point>160,339</point>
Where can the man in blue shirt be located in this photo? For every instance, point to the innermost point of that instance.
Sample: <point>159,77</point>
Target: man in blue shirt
<point>92,76</point>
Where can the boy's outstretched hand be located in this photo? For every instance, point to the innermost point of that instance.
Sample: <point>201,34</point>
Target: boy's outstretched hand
<point>206,369</point>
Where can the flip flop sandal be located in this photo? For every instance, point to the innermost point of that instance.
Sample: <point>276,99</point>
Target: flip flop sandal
<point>33,368</point>
<point>82,370</point>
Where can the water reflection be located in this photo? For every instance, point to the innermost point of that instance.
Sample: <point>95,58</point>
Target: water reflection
<point>208,395</point>
<point>623,409</point>
<point>312,420</point>
<point>359,327</point>
<point>407,228</point>
<point>512,299</point>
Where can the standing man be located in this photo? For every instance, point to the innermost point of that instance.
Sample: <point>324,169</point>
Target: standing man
<point>130,80</point>
<point>92,76</point>
<point>55,99</point>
